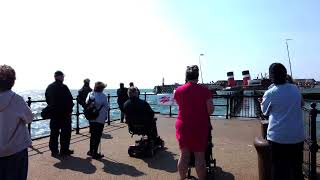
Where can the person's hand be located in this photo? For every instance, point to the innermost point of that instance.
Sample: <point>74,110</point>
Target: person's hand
<point>260,100</point>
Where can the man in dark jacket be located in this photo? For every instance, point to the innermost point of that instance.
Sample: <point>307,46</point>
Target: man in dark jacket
<point>122,94</point>
<point>83,92</point>
<point>136,109</point>
<point>60,101</point>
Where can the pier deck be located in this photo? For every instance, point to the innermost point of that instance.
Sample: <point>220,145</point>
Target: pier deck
<point>234,151</point>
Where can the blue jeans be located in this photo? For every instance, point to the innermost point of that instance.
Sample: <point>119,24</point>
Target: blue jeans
<point>14,167</point>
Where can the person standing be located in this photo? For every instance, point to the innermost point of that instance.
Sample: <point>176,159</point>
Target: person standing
<point>122,94</point>
<point>283,103</point>
<point>83,92</point>
<point>14,136</point>
<point>100,101</point>
<point>192,125</point>
<point>59,98</point>
<point>132,85</point>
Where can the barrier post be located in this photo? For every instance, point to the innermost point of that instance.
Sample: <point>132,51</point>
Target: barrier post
<point>314,146</point>
<point>77,114</point>
<point>227,111</point>
<point>29,104</point>
<point>109,109</point>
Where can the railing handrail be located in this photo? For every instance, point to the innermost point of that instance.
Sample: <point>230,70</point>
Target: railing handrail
<point>229,105</point>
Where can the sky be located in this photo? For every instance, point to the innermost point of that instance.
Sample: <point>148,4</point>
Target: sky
<point>144,41</point>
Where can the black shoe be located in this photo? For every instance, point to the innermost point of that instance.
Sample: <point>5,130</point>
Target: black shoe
<point>54,153</point>
<point>97,156</point>
<point>89,153</point>
<point>67,152</point>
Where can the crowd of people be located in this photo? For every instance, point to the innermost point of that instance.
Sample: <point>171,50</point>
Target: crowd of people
<point>282,103</point>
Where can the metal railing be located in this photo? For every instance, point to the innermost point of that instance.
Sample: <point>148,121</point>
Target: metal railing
<point>310,144</point>
<point>245,106</point>
<point>77,112</point>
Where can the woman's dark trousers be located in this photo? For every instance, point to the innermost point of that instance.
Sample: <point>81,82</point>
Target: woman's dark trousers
<point>14,167</point>
<point>96,130</point>
<point>287,161</point>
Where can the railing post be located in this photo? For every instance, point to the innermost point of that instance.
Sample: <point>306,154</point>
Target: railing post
<point>29,104</point>
<point>109,109</point>
<point>145,96</point>
<point>231,106</point>
<point>227,111</point>
<point>314,146</point>
<point>170,112</point>
<point>77,114</point>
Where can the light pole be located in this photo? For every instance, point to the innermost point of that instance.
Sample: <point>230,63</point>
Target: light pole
<point>289,56</point>
<point>200,67</point>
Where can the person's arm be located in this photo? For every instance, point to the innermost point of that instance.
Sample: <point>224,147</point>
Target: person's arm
<point>266,103</point>
<point>149,110</point>
<point>70,97</point>
<point>210,107</point>
<point>48,95</point>
<point>302,101</point>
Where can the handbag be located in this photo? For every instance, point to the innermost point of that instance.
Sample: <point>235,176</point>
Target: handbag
<point>47,112</point>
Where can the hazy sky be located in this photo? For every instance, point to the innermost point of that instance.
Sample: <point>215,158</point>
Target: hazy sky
<point>145,40</point>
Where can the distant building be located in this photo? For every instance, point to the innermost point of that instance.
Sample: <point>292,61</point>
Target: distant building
<point>305,83</point>
<point>222,83</point>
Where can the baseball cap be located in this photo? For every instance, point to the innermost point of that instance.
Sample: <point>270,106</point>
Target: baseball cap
<point>58,73</point>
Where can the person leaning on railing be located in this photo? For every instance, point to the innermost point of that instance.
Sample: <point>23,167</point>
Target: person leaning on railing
<point>192,125</point>
<point>283,103</point>
<point>14,136</point>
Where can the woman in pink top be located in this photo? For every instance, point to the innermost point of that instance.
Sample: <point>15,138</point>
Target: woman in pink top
<point>192,125</point>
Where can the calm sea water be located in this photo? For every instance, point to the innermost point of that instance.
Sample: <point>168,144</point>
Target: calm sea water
<point>41,128</point>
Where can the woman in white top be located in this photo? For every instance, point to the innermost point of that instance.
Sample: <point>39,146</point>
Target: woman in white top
<point>14,136</point>
<point>282,102</point>
<point>96,126</point>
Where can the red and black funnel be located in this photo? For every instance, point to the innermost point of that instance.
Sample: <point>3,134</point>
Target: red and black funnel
<point>245,77</point>
<point>231,81</point>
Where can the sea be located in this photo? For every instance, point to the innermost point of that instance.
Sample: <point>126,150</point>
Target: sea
<point>41,128</point>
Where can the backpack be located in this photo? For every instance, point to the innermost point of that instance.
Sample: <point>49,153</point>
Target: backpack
<point>90,111</point>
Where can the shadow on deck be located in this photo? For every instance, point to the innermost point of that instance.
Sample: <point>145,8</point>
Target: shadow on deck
<point>235,154</point>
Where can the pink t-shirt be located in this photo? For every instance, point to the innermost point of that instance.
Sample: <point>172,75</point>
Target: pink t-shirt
<point>192,125</point>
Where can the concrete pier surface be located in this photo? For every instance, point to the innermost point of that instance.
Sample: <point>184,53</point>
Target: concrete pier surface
<point>233,149</point>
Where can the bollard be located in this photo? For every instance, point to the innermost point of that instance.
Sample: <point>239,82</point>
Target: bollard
<point>264,128</point>
<point>264,158</point>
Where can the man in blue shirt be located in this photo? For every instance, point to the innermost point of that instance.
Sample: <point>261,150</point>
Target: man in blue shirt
<point>282,102</point>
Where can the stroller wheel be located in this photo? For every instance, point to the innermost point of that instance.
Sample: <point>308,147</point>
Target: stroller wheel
<point>162,144</point>
<point>210,173</point>
<point>131,152</point>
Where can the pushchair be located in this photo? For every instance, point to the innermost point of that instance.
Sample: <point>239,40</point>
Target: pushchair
<point>210,161</point>
<point>149,143</point>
